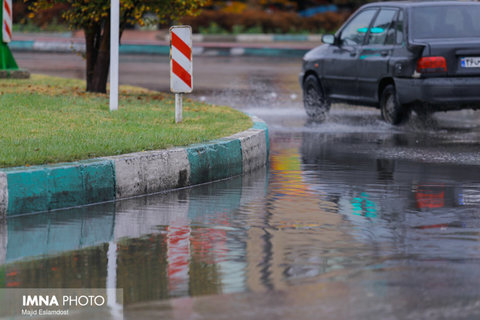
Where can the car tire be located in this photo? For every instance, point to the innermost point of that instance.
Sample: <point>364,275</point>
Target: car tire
<point>314,100</point>
<point>392,111</point>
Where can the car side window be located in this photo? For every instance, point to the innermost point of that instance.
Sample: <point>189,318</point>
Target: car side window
<point>355,31</point>
<point>382,30</point>
<point>399,28</point>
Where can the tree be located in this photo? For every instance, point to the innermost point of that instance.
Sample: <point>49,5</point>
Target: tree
<point>93,17</point>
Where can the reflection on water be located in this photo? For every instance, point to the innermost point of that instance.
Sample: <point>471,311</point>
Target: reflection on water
<point>355,219</point>
<point>188,242</point>
<point>326,212</point>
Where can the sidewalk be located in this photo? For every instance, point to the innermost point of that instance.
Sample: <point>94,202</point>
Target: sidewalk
<point>155,42</point>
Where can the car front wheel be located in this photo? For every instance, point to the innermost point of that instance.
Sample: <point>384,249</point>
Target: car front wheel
<point>392,111</point>
<point>314,100</point>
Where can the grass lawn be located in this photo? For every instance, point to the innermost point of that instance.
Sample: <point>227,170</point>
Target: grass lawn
<point>49,120</point>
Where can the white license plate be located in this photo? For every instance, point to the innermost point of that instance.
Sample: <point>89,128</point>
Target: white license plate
<point>470,62</point>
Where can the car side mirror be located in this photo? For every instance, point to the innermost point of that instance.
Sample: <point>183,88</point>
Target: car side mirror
<point>328,39</point>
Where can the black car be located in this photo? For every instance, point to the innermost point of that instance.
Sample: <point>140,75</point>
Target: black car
<point>398,56</point>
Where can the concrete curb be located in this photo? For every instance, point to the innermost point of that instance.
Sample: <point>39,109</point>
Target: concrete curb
<point>49,187</point>
<point>196,37</point>
<point>261,38</point>
<point>210,49</point>
<point>14,74</point>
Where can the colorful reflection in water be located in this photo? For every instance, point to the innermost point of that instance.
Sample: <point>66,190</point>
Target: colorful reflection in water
<point>363,206</point>
<point>179,244</point>
<point>319,215</point>
<point>429,197</point>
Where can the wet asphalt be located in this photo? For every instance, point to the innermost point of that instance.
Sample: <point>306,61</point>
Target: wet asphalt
<point>353,218</point>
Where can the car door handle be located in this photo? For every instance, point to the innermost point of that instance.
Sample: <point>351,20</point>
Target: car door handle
<point>353,53</point>
<point>384,53</point>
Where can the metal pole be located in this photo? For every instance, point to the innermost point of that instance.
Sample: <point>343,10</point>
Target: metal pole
<point>114,40</point>
<point>178,107</point>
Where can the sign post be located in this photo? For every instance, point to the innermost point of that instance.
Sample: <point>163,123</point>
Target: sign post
<point>7,61</point>
<point>181,76</point>
<point>114,40</point>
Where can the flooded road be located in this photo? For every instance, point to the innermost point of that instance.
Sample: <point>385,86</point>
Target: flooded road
<point>354,218</point>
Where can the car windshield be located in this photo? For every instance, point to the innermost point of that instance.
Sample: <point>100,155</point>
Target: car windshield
<point>446,21</point>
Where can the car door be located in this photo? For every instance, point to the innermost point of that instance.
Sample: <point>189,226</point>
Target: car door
<point>340,65</point>
<point>374,55</point>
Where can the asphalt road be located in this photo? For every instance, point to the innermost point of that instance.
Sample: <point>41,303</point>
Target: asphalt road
<point>150,71</point>
<point>354,219</point>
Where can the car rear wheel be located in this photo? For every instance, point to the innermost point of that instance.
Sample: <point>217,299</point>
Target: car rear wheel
<point>314,99</point>
<point>392,111</point>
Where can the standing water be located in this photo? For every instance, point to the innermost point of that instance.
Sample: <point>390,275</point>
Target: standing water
<point>353,218</point>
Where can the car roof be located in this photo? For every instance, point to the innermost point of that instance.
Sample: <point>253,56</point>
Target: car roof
<point>419,3</point>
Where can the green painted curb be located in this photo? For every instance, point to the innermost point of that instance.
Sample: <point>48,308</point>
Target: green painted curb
<point>22,45</point>
<point>275,52</point>
<point>144,48</point>
<point>43,188</point>
<point>215,161</point>
<point>157,49</point>
<point>27,190</point>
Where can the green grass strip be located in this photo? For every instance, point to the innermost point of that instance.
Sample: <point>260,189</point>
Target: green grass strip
<point>50,120</point>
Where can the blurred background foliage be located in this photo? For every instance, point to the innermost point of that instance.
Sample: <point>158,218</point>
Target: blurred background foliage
<point>221,16</point>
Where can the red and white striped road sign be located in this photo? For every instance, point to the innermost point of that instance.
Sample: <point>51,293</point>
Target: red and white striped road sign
<point>181,77</point>
<point>7,20</point>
